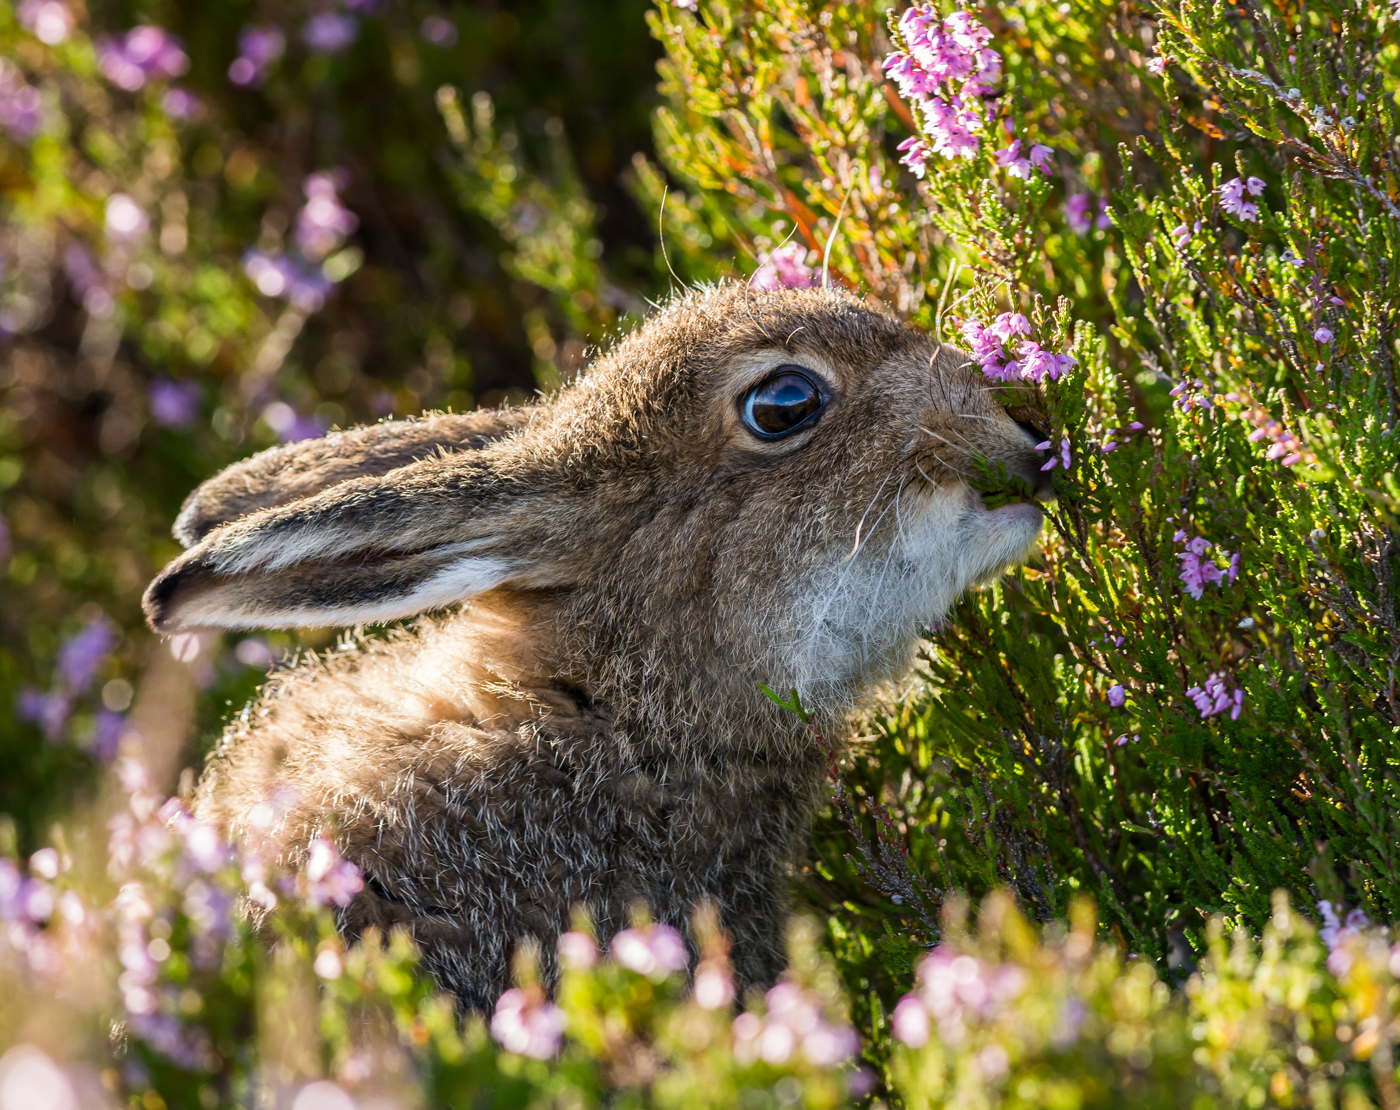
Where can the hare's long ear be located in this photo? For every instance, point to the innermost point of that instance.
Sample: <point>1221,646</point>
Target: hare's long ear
<point>368,550</point>
<point>296,470</point>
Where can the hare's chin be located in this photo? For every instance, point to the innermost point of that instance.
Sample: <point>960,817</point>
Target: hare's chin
<point>1001,538</point>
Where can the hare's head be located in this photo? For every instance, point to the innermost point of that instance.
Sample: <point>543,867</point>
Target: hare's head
<point>754,486</point>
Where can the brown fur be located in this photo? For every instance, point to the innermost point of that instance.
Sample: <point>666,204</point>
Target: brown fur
<point>625,564</point>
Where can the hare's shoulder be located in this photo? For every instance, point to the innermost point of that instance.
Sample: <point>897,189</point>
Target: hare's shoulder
<point>383,732</point>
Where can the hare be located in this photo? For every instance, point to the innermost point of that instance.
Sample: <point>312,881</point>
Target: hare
<point>753,487</point>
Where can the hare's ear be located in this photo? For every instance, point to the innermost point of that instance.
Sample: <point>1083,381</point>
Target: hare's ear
<point>297,470</point>
<point>368,550</point>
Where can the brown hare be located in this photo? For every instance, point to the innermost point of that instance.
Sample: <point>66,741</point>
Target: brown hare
<point>753,487</point>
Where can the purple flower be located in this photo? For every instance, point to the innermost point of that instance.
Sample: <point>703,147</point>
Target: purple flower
<point>48,711</point>
<point>277,275</point>
<point>1010,159</point>
<point>783,267</point>
<point>577,949</point>
<point>82,653</point>
<point>1323,335</point>
<point>258,48</point>
<point>19,104</point>
<point>916,153</point>
<point>944,72</point>
<point>653,951</point>
<point>49,21</point>
<point>329,33</point>
<point>173,404</point>
<point>1056,460</point>
<point>182,105</point>
<point>1214,696</point>
<point>1116,695</point>
<point>1184,234</point>
<point>1077,206</point>
<point>910,1021</point>
<point>323,221</point>
<point>1158,66</point>
<point>526,1024</point>
<point>106,735</point>
<point>144,54</point>
<point>329,878</point>
<point>714,986</point>
<point>1200,569</point>
<point>256,653</point>
<point>1232,195</point>
<point>290,427</point>
<point>439,31</point>
<point>1040,158</point>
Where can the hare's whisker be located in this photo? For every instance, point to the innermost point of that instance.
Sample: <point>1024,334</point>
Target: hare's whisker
<point>855,548</point>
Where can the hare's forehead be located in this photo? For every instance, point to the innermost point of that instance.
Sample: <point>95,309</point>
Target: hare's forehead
<point>849,367</point>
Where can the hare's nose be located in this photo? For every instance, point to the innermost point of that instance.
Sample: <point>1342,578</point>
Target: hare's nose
<point>1034,459</point>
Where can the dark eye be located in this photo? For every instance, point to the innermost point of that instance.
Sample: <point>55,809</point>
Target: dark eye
<point>782,403</point>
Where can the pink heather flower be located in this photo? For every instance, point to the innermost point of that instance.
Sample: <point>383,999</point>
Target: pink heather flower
<point>1184,234</point>
<point>1323,335</point>
<point>277,275</point>
<point>1040,158</point>
<point>688,5</point>
<point>258,48</point>
<point>654,951</point>
<point>794,1020</point>
<point>1335,932</point>
<point>910,1021</point>
<point>1077,212</point>
<point>173,404</point>
<point>577,950</point>
<point>950,128</point>
<point>1232,195</point>
<point>126,221</point>
<point>1116,695</point>
<point>714,986</point>
<point>783,267</point>
<point>329,33</point>
<point>20,104</point>
<point>1056,460</point>
<point>142,55</point>
<point>182,105</point>
<point>1158,66</point>
<point>49,21</point>
<point>1009,158</point>
<point>944,72</point>
<point>1008,324</point>
<point>916,153</point>
<point>82,654</point>
<point>323,221</point>
<point>1189,395</point>
<point>1214,696</point>
<point>442,33</point>
<point>329,878</point>
<point>526,1024</point>
<point>48,711</point>
<point>209,909</point>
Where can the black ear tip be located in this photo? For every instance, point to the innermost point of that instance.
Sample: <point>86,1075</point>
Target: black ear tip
<point>192,524</point>
<point>165,597</point>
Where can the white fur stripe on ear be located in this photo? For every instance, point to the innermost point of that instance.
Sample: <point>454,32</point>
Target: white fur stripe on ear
<point>231,607</point>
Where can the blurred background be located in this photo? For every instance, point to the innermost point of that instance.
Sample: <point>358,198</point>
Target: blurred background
<point>232,224</point>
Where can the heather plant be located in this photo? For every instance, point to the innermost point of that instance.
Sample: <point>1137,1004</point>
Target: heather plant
<point>1168,237</point>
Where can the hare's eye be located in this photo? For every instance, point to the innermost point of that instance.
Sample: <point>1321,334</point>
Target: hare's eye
<point>783,402</point>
